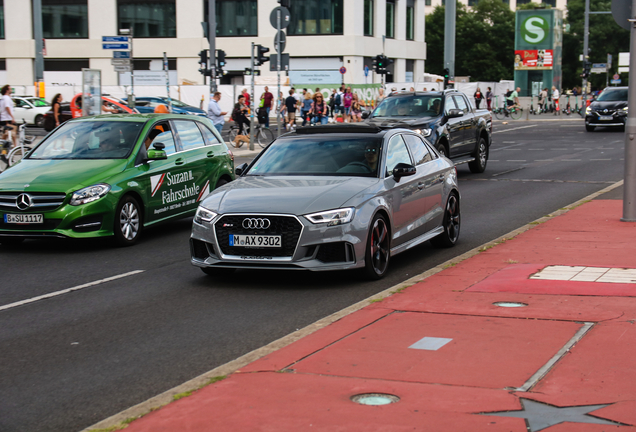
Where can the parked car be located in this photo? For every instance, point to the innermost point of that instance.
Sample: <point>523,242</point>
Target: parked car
<point>330,197</point>
<point>148,104</point>
<point>609,109</point>
<point>112,175</point>
<point>64,115</point>
<point>446,119</point>
<point>30,109</point>
<point>73,109</point>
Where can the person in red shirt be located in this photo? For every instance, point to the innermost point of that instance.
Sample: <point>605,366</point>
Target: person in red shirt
<point>267,98</point>
<point>247,97</point>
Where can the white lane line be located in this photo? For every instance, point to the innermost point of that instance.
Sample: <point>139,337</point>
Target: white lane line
<point>571,160</point>
<point>68,290</point>
<point>536,149</point>
<point>508,130</point>
<point>523,160</point>
<point>600,159</point>
<point>544,160</point>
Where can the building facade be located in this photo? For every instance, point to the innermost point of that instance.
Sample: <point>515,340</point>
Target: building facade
<point>323,36</point>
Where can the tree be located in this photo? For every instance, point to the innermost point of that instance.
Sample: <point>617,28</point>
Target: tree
<point>606,37</point>
<point>484,41</point>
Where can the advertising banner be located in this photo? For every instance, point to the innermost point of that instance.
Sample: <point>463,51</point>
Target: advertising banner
<point>534,59</point>
<point>91,92</point>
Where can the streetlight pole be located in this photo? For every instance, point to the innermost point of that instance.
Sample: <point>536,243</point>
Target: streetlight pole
<point>629,186</point>
<point>279,59</point>
<point>212,40</point>
<point>586,37</point>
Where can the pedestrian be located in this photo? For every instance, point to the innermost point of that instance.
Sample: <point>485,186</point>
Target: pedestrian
<point>281,109</point>
<point>489,99</point>
<point>317,90</point>
<point>575,91</point>
<point>340,100</point>
<point>412,89</point>
<point>332,102</point>
<point>356,109</point>
<point>319,109</point>
<point>55,107</point>
<point>393,90</point>
<point>347,99</point>
<point>214,112</point>
<point>543,96</point>
<point>555,99</point>
<point>6,113</point>
<point>246,95</point>
<point>290,106</point>
<point>239,115</point>
<point>305,109</point>
<point>478,97</point>
<point>267,98</point>
<point>381,96</point>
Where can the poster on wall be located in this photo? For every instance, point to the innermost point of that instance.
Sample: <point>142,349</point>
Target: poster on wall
<point>534,59</point>
<point>91,92</point>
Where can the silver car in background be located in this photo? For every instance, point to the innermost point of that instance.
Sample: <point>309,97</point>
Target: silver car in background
<point>330,198</point>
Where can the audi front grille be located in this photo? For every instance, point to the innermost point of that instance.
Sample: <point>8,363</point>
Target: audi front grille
<point>288,227</point>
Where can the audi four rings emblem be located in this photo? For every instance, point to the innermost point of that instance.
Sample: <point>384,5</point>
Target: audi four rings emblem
<point>23,201</point>
<point>256,223</point>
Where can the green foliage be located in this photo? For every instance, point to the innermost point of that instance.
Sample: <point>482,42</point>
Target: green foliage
<point>484,41</point>
<point>605,37</point>
<point>532,6</point>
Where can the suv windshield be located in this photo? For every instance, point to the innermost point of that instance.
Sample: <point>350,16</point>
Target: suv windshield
<point>427,105</point>
<point>321,156</point>
<point>613,95</point>
<point>90,140</point>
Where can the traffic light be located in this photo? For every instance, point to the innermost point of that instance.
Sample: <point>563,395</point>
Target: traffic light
<point>220,62</point>
<point>387,62</point>
<point>260,55</point>
<point>285,3</point>
<point>587,65</point>
<point>377,63</point>
<point>446,77</point>
<point>203,61</point>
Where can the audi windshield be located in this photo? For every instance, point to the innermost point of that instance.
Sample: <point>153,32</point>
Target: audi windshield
<point>320,156</point>
<point>424,105</point>
<point>90,140</point>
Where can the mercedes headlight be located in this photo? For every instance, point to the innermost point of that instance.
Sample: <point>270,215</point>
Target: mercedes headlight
<point>204,215</point>
<point>89,194</point>
<point>332,217</point>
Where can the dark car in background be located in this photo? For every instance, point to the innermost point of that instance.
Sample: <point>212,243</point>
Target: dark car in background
<point>608,110</point>
<point>146,104</point>
<point>446,119</point>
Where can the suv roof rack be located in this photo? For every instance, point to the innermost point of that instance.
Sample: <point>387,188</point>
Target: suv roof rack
<point>349,128</point>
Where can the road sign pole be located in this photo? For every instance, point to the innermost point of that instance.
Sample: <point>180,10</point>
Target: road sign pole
<point>629,186</point>
<point>449,36</point>
<point>586,37</point>
<point>167,69</point>
<point>37,35</point>
<point>252,104</point>
<point>212,41</point>
<point>279,59</point>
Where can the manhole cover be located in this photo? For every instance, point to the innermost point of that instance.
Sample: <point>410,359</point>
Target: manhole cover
<point>510,304</point>
<point>375,399</point>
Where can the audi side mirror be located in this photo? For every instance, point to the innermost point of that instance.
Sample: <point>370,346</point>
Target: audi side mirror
<point>403,170</point>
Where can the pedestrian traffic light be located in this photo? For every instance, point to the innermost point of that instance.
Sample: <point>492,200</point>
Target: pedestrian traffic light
<point>260,55</point>
<point>446,77</point>
<point>220,62</point>
<point>203,62</point>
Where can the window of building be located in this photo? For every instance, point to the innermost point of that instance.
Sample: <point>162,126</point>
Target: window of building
<point>65,65</point>
<point>550,2</point>
<point>64,19</point>
<point>390,18</point>
<point>3,64</point>
<point>234,17</point>
<point>368,17</point>
<point>410,20</point>
<point>148,18</point>
<point>428,2</point>
<point>320,17</point>
<point>523,1</point>
<point>1,19</point>
<point>146,64</point>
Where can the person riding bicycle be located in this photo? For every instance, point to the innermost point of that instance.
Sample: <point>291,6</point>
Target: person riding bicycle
<point>513,99</point>
<point>238,115</point>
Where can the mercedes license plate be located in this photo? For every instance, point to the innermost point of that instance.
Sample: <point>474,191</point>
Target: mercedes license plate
<point>605,118</point>
<point>24,219</point>
<point>255,241</point>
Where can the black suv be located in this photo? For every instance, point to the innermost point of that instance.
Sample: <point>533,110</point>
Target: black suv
<point>609,109</point>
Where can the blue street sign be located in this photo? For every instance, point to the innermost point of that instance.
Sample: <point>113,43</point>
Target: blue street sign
<point>121,54</point>
<point>616,81</point>
<point>366,71</point>
<point>114,38</point>
<point>117,46</point>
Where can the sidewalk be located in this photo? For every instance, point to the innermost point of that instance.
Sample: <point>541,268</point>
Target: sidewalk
<point>444,354</point>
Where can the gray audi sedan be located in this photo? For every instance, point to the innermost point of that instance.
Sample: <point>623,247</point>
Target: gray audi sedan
<point>329,197</point>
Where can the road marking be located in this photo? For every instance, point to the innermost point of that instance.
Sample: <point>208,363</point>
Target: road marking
<point>560,149</point>
<point>511,149</point>
<point>509,142</point>
<point>509,171</point>
<point>536,149</point>
<point>513,160</point>
<point>430,343</point>
<point>606,148</point>
<point>508,130</point>
<point>544,160</point>
<point>68,290</point>
<point>600,159</point>
<point>571,160</point>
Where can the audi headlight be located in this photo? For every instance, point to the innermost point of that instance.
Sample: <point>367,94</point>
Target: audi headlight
<point>89,194</point>
<point>424,132</point>
<point>332,217</point>
<point>204,215</point>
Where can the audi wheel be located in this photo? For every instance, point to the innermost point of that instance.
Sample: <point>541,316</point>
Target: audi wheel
<point>376,258</point>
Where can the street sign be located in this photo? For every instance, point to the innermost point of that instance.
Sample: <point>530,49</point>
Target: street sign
<point>616,77</point>
<point>616,81</point>
<point>609,60</point>
<point>120,62</point>
<point>283,41</point>
<point>622,11</point>
<point>121,54</point>
<point>366,70</point>
<point>284,17</point>
<point>599,68</point>
<point>123,68</point>
<point>343,70</point>
<point>115,39</point>
<point>116,46</point>
<point>284,62</point>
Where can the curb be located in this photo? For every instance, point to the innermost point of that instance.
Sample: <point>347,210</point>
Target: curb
<point>121,419</point>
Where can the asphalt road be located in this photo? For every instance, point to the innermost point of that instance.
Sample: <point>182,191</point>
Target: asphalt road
<point>69,361</point>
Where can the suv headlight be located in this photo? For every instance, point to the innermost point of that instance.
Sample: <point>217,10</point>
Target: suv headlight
<point>89,194</point>
<point>588,110</point>
<point>204,215</point>
<point>331,217</point>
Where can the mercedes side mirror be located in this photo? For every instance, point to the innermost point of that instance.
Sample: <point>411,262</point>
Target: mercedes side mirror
<point>403,170</point>
<point>159,146</point>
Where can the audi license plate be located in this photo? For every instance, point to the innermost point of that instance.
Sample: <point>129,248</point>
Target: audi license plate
<point>24,219</point>
<point>605,118</point>
<point>255,241</point>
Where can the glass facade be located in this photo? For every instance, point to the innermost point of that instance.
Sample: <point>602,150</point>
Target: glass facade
<point>316,17</point>
<point>368,17</point>
<point>234,17</point>
<point>1,19</point>
<point>148,18</point>
<point>65,19</point>
<point>410,20</point>
<point>427,2</point>
<point>390,18</point>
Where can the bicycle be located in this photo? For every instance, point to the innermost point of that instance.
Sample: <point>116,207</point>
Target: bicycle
<point>264,136</point>
<point>25,144</point>
<point>514,112</point>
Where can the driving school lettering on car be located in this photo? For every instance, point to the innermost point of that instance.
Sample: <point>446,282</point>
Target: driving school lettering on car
<point>187,191</point>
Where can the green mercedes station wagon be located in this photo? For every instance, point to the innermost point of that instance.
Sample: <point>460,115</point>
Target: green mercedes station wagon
<point>112,175</point>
